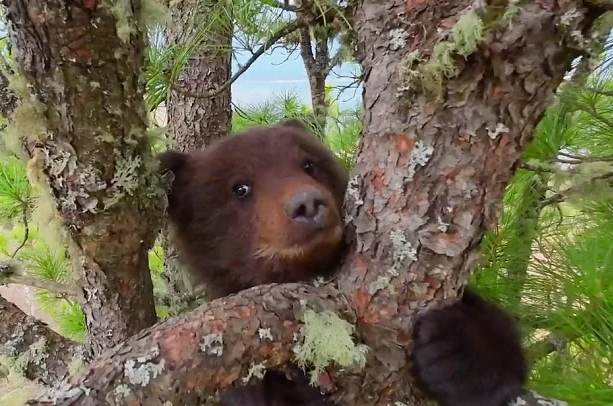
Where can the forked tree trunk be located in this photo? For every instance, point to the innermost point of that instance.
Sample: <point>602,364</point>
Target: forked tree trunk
<point>431,169</point>
<point>90,147</point>
<point>428,182</point>
<point>194,123</point>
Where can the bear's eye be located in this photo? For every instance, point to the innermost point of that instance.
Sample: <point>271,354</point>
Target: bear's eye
<point>308,166</point>
<point>241,190</point>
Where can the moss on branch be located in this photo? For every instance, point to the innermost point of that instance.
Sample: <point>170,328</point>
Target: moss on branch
<point>187,359</point>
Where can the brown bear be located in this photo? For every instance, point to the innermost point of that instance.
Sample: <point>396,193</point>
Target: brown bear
<point>265,206</point>
<point>259,207</point>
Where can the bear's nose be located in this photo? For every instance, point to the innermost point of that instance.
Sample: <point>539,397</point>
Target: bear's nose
<point>308,207</point>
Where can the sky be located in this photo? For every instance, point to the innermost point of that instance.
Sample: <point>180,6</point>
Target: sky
<point>274,73</point>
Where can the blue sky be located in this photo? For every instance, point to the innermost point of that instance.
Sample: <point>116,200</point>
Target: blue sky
<point>274,74</point>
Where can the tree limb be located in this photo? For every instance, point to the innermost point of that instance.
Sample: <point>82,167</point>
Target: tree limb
<point>186,370</point>
<point>51,286</point>
<point>549,344</point>
<point>560,196</point>
<point>42,355</point>
<point>531,398</point>
<point>287,29</point>
<point>283,6</point>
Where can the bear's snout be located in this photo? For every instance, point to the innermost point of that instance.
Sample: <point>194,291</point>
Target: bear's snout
<point>308,207</point>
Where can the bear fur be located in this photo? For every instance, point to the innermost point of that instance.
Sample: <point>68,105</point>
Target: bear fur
<point>265,206</point>
<point>231,242</point>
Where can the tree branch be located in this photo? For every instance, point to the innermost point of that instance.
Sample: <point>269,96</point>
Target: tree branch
<point>51,286</point>
<point>531,398</point>
<point>43,355</point>
<point>174,362</point>
<point>179,365</point>
<point>287,29</point>
<point>560,196</point>
<point>577,159</point>
<point>283,6</point>
<point>549,344</point>
<point>26,234</point>
<point>336,60</point>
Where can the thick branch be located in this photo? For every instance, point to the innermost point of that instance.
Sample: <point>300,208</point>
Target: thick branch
<point>178,366</point>
<point>282,32</point>
<point>44,355</point>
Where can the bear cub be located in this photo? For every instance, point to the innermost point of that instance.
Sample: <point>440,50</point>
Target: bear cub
<point>265,206</point>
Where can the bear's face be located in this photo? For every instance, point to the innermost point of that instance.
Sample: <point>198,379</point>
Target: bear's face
<point>263,206</point>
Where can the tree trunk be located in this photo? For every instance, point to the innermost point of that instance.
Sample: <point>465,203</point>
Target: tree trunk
<point>84,61</point>
<point>428,182</point>
<point>317,72</point>
<point>194,123</point>
<point>435,157</point>
<point>43,355</point>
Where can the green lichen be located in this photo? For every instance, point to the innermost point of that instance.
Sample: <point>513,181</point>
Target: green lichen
<point>511,11</point>
<point>122,11</point>
<point>126,179</point>
<point>35,354</point>
<point>27,123</point>
<point>441,66</point>
<point>467,34</point>
<point>47,219</point>
<point>463,40</point>
<point>153,12</point>
<point>327,338</point>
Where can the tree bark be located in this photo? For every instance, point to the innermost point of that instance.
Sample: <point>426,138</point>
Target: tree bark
<point>189,373</point>
<point>316,66</point>
<point>428,182</point>
<point>195,122</point>
<point>431,171</point>
<point>8,100</point>
<point>83,60</point>
<point>44,355</point>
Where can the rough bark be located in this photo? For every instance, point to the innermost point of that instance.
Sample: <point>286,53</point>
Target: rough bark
<point>316,66</point>
<point>8,100</point>
<point>84,65</point>
<point>417,217</point>
<point>189,373</point>
<point>195,122</point>
<point>42,354</point>
<point>417,237</point>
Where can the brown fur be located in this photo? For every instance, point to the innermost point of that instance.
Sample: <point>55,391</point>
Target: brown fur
<point>231,244</point>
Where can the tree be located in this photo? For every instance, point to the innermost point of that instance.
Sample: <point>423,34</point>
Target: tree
<point>204,31</point>
<point>87,140</point>
<point>440,140</point>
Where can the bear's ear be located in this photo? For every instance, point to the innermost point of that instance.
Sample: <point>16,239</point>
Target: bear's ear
<point>294,123</point>
<point>172,161</point>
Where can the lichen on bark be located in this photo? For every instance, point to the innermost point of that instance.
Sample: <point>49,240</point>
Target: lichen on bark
<point>95,158</point>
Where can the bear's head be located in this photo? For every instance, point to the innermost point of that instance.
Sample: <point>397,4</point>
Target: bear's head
<point>262,206</point>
